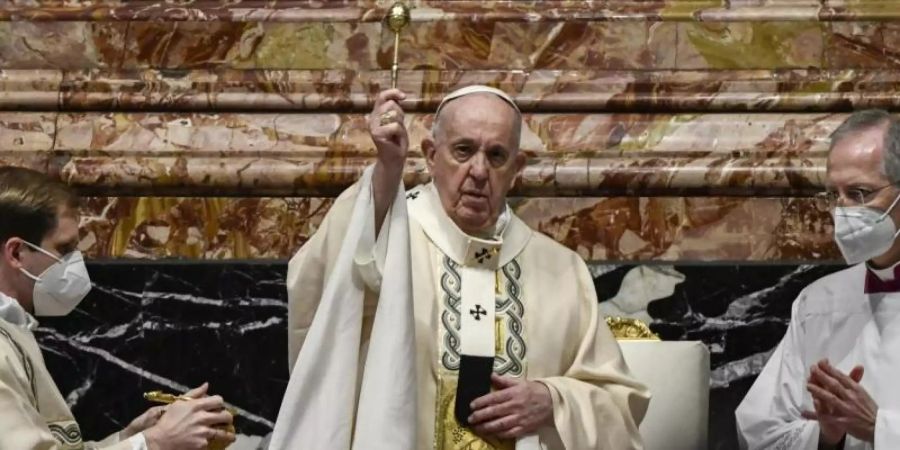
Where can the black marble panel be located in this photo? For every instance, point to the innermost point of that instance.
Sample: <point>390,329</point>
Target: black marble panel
<point>740,312</point>
<point>169,326</point>
<point>173,325</point>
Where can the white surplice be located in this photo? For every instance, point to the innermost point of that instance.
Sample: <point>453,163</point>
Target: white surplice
<point>832,318</point>
<point>33,413</point>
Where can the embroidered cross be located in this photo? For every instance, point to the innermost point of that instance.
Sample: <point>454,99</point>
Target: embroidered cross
<point>412,195</point>
<point>477,312</point>
<point>482,255</point>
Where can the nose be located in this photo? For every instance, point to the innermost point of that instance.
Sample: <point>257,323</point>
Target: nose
<point>479,167</point>
<point>842,200</point>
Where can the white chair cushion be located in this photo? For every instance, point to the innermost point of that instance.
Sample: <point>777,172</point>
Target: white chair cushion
<point>677,374</point>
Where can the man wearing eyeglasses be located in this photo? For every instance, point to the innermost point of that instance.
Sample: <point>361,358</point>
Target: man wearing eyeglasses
<point>832,383</point>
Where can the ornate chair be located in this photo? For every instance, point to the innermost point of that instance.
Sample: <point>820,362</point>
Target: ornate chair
<point>677,374</point>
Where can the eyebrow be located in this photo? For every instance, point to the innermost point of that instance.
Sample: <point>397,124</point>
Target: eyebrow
<point>463,140</point>
<point>863,186</point>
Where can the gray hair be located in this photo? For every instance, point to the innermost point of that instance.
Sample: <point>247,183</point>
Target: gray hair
<point>871,118</point>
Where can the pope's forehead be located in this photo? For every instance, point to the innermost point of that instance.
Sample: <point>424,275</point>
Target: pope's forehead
<point>481,99</point>
<point>477,107</point>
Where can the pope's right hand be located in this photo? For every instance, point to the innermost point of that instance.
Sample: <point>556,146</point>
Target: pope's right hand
<point>388,131</point>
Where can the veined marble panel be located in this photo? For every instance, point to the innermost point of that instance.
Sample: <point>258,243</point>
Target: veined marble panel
<point>438,10</point>
<point>448,45</point>
<point>616,229</point>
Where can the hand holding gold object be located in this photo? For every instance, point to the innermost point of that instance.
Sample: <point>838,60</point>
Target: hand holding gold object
<point>397,19</point>
<point>387,118</point>
<point>166,398</point>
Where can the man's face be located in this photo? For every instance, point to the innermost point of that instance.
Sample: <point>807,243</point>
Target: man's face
<point>475,159</point>
<point>856,173</point>
<point>855,170</point>
<point>60,241</point>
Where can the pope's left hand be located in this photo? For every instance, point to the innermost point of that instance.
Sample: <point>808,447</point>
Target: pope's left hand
<point>516,408</point>
<point>843,400</point>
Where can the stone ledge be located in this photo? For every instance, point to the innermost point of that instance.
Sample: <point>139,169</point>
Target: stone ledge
<point>457,10</point>
<point>320,154</point>
<point>797,90</point>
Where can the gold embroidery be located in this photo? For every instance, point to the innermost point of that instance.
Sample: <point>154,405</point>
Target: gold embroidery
<point>448,434</point>
<point>625,328</point>
<point>66,434</point>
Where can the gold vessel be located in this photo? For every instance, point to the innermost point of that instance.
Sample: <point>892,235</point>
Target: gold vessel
<point>166,398</point>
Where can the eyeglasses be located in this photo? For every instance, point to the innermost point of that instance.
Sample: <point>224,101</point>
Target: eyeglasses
<point>827,200</point>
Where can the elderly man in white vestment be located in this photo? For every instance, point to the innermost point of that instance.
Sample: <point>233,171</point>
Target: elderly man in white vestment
<point>832,383</point>
<point>42,273</point>
<point>554,369</point>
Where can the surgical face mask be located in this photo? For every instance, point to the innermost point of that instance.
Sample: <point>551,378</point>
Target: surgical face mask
<point>62,286</point>
<point>863,233</point>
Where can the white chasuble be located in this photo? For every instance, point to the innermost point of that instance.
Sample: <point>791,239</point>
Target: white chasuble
<point>340,396</point>
<point>517,298</point>
<point>475,336</point>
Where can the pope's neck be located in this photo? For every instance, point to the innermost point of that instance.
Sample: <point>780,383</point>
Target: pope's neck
<point>490,232</point>
<point>486,233</point>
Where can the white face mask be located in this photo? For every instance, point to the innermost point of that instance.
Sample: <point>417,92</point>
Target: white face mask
<point>863,233</point>
<point>60,288</point>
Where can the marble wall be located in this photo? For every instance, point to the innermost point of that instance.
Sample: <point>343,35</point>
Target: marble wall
<point>673,144</point>
<point>723,229</point>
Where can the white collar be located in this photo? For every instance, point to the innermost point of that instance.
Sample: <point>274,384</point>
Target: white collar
<point>502,221</point>
<point>12,312</point>
<point>512,234</point>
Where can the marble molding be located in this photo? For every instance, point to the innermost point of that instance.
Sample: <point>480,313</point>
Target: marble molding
<point>171,326</point>
<point>789,90</point>
<point>450,45</point>
<point>547,176</point>
<point>437,10</point>
<point>599,229</point>
<point>233,154</point>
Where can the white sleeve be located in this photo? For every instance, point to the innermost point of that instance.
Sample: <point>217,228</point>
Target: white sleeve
<point>769,417</point>
<point>887,428</point>
<point>138,442</point>
<point>371,253</point>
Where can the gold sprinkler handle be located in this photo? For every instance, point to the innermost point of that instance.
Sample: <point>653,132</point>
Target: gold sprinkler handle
<point>166,398</point>
<point>397,19</point>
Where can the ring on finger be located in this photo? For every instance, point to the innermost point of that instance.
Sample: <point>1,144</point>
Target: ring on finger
<point>388,117</point>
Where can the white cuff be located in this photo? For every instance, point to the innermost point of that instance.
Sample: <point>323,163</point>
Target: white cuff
<point>887,428</point>
<point>138,442</point>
